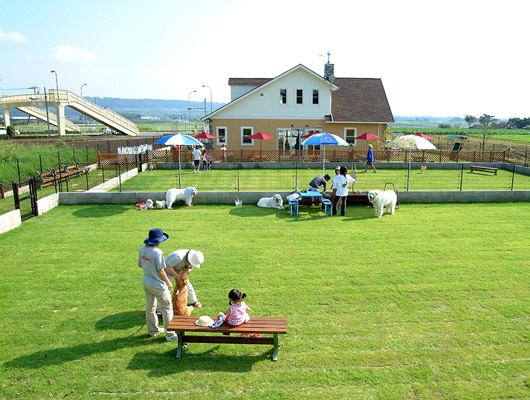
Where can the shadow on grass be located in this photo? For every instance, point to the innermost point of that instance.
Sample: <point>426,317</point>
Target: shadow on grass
<point>203,361</point>
<point>121,321</point>
<point>250,211</point>
<point>101,212</point>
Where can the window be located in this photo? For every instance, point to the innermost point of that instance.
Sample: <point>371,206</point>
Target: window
<point>246,131</point>
<point>299,96</point>
<point>350,134</point>
<point>315,96</point>
<point>283,96</point>
<point>221,135</point>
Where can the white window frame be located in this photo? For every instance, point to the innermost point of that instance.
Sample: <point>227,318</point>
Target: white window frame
<point>296,100</point>
<point>286,96</point>
<point>251,133</point>
<point>219,142</point>
<point>354,134</point>
<point>312,97</point>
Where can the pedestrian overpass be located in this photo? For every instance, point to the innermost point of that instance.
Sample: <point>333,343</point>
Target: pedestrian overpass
<point>30,103</point>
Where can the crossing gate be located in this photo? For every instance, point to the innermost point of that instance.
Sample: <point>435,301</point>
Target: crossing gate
<point>32,196</point>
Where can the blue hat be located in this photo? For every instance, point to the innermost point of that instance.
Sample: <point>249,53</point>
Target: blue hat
<point>156,236</point>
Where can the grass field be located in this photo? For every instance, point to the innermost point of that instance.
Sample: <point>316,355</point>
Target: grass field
<point>285,180</point>
<point>430,303</point>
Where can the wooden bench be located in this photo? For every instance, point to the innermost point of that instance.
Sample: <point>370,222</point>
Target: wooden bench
<point>263,326</point>
<point>482,168</point>
<point>63,174</point>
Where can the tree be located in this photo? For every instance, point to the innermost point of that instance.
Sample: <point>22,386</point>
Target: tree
<point>470,120</point>
<point>10,131</point>
<point>485,121</point>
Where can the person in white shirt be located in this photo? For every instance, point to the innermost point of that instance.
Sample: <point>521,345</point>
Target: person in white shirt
<point>196,160</point>
<point>343,181</point>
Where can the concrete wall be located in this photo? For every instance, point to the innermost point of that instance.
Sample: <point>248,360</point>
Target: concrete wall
<point>10,220</point>
<point>47,203</point>
<point>112,183</point>
<point>253,197</point>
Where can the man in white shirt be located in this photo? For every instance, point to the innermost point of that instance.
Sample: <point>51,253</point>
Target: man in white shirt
<point>196,160</point>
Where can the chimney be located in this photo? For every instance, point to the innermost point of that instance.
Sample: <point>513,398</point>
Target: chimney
<point>329,71</point>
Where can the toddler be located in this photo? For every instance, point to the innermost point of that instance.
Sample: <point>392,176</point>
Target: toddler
<point>237,313</point>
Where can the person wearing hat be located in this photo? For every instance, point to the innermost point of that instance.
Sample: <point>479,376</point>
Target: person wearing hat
<point>157,286</point>
<point>179,259</point>
<point>370,158</point>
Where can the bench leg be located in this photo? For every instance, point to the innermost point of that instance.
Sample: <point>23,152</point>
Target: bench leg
<point>179,349</point>
<point>276,348</point>
<point>328,209</point>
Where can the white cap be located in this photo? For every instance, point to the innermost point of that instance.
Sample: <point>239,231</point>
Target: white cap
<point>204,320</point>
<point>195,258</point>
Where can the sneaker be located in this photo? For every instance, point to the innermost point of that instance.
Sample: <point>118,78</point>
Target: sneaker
<point>172,338</point>
<point>158,333</point>
<point>197,304</point>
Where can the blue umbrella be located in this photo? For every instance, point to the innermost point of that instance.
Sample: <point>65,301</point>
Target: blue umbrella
<point>179,140</point>
<point>322,139</point>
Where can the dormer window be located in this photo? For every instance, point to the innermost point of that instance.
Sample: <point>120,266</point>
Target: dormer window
<point>283,96</point>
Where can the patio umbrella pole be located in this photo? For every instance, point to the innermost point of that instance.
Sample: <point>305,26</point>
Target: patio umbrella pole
<point>408,177</point>
<point>180,186</point>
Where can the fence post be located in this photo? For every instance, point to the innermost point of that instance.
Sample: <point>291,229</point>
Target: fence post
<point>14,185</point>
<point>40,161</point>
<point>2,194</point>
<point>119,171</point>
<point>73,151</point>
<point>33,196</point>
<point>513,175</point>
<point>525,156</point>
<point>59,162</point>
<point>491,156</point>
<point>461,175</point>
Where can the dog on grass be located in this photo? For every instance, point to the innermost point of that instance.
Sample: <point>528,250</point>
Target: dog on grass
<point>383,199</point>
<point>186,195</point>
<point>180,294</point>
<point>149,204</point>
<point>423,168</point>
<point>275,201</point>
<point>160,203</point>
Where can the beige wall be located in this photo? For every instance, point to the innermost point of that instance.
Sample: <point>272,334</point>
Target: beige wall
<point>269,126</point>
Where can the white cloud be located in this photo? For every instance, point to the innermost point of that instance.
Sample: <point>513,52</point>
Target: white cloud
<point>72,54</point>
<point>11,37</point>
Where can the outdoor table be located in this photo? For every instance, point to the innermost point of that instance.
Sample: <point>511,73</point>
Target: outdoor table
<point>309,195</point>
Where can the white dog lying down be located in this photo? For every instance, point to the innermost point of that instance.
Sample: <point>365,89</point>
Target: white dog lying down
<point>275,201</point>
<point>186,195</point>
<point>160,203</point>
<point>383,199</point>
<point>149,204</point>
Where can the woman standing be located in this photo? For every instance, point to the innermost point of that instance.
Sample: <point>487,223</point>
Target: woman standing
<point>343,181</point>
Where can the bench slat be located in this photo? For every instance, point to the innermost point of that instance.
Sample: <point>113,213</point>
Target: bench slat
<point>254,325</point>
<point>227,339</point>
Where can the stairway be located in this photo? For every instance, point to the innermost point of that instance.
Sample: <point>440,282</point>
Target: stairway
<point>41,114</point>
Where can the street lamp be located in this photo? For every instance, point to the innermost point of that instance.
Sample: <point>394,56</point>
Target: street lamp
<point>211,104</point>
<point>47,113</point>
<point>82,115</point>
<point>56,84</point>
<point>189,110</point>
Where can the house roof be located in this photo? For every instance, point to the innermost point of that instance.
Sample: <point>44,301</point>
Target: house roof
<point>248,81</point>
<point>360,100</point>
<point>352,99</point>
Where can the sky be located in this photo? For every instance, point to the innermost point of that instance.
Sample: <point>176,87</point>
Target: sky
<point>448,58</point>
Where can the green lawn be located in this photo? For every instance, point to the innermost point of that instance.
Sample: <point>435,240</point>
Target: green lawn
<point>432,302</point>
<point>285,180</point>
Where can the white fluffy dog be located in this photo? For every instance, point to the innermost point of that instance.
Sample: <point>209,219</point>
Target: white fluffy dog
<point>149,204</point>
<point>185,195</point>
<point>160,203</point>
<point>383,199</point>
<point>275,201</point>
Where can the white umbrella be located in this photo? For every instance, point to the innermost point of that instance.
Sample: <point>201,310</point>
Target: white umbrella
<point>323,139</point>
<point>412,142</point>
<point>179,140</point>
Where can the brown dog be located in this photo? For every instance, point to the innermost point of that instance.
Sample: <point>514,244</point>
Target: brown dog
<point>180,294</point>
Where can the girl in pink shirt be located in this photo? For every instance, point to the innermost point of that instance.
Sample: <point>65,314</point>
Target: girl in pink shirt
<point>237,312</point>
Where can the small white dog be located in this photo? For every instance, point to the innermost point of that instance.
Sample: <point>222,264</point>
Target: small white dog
<point>275,201</point>
<point>149,204</point>
<point>383,199</point>
<point>185,195</point>
<point>160,203</point>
